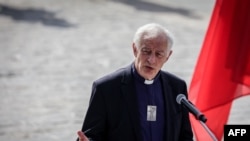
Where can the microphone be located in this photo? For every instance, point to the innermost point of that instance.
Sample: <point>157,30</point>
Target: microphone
<point>181,99</point>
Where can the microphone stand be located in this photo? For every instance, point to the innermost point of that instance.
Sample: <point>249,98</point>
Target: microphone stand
<point>181,99</point>
<point>208,130</point>
<point>202,119</point>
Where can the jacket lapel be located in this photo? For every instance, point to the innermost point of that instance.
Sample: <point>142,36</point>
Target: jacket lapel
<point>166,92</point>
<point>129,94</point>
<point>171,118</point>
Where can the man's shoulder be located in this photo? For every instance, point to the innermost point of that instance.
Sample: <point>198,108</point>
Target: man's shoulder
<point>115,75</point>
<point>177,84</point>
<point>171,76</point>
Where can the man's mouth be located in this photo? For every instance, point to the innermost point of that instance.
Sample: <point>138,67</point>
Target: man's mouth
<point>149,68</point>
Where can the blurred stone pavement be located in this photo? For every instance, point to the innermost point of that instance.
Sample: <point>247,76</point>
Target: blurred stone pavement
<point>52,50</point>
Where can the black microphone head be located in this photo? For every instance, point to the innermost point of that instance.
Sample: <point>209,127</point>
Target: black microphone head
<point>180,97</point>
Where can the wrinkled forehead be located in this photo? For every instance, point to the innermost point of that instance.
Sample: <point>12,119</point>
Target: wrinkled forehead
<point>154,39</point>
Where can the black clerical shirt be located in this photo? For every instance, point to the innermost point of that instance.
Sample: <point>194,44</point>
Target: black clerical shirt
<point>151,107</point>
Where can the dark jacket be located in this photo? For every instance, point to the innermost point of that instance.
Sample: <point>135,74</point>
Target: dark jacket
<point>113,112</point>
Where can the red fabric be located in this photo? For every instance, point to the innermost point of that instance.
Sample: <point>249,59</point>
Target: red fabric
<point>222,72</point>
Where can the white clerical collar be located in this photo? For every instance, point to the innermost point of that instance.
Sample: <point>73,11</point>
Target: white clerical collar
<point>148,82</point>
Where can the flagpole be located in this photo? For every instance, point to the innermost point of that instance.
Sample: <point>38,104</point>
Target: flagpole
<point>208,130</point>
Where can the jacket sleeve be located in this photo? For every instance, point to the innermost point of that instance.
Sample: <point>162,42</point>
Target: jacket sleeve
<point>95,119</point>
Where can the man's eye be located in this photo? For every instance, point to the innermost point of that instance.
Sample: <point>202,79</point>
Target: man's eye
<point>160,54</point>
<point>146,51</point>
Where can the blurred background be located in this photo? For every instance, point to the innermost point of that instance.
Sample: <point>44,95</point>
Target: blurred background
<point>52,50</point>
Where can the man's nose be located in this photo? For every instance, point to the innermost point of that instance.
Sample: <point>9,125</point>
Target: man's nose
<point>152,58</point>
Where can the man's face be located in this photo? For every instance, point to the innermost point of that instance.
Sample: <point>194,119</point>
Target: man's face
<point>150,56</point>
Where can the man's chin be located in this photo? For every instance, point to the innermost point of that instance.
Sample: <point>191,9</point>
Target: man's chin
<point>149,77</point>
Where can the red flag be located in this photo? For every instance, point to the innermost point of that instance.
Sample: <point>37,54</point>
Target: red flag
<point>222,72</point>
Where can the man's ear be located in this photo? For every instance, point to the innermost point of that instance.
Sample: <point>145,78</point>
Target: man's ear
<point>169,54</point>
<point>134,50</point>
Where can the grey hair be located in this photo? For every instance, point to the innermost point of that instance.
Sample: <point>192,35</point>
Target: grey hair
<point>155,30</point>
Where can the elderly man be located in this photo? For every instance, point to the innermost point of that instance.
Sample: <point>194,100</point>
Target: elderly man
<point>138,102</point>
